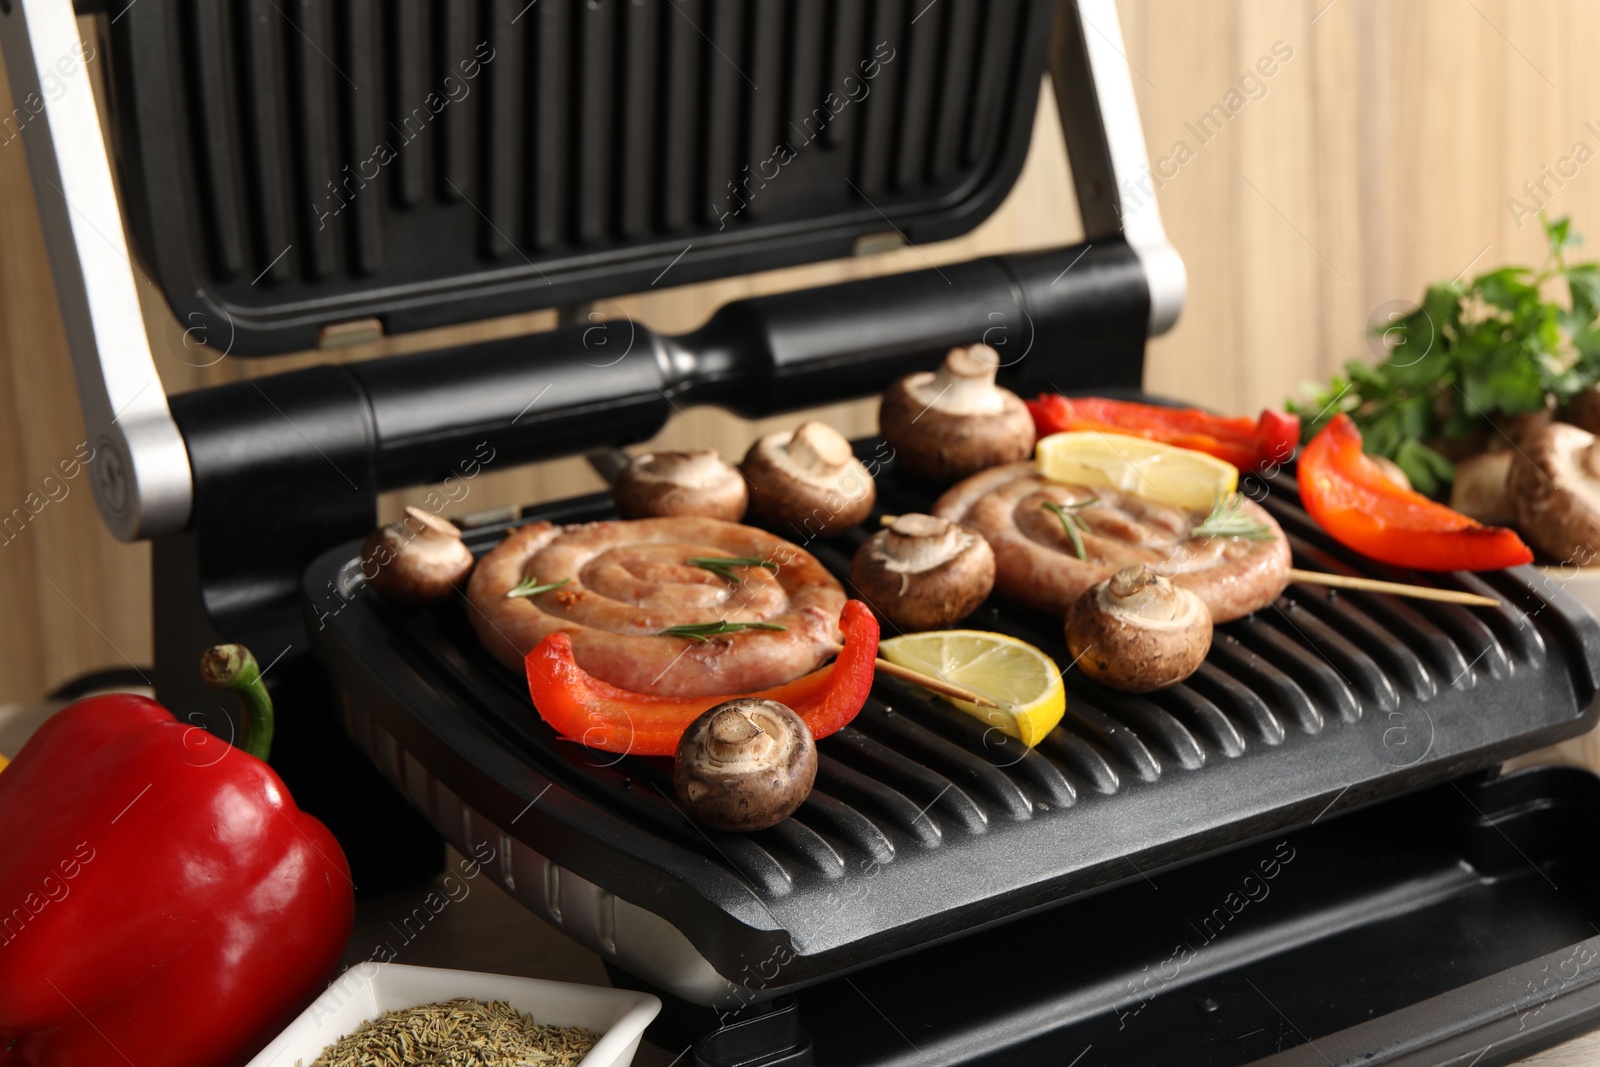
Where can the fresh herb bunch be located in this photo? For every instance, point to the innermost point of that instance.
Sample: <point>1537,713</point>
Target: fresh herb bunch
<point>1489,347</point>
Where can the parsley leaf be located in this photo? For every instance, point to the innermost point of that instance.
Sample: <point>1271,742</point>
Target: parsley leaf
<point>1468,353</point>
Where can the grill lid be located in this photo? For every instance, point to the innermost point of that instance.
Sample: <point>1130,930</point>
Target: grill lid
<point>435,161</point>
<point>927,825</point>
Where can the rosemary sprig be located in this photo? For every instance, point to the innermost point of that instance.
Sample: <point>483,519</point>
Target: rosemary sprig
<point>531,587</point>
<point>1227,519</point>
<point>722,566</point>
<point>704,631</point>
<point>1072,522</point>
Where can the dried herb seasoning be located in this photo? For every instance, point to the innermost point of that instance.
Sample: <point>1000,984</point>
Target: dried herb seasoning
<point>458,1033</point>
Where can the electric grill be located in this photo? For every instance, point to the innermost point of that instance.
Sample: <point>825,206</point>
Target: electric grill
<point>553,153</point>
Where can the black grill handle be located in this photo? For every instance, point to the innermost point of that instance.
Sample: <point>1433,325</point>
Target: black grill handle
<point>1074,316</point>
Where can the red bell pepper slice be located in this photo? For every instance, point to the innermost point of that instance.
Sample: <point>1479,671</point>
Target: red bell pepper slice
<point>600,715</point>
<point>1351,498</point>
<point>1245,443</point>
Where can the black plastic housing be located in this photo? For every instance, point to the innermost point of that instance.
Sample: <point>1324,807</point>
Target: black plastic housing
<point>1455,926</point>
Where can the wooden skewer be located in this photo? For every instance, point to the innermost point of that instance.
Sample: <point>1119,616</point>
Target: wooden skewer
<point>927,681</point>
<point>1373,585</point>
<point>887,520</point>
<point>936,685</point>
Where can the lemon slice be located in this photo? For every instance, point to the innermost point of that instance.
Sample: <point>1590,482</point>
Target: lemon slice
<point>1025,682</point>
<point>1181,477</point>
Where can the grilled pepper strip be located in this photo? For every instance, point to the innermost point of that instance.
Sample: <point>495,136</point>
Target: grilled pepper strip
<point>1350,497</point>
<point>1246,443</point>
<point>168,904</point>
<point>600,715</point>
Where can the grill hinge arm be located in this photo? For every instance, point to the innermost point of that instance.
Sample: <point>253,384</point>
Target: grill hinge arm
<point>1105,143</point>
<point>142,481</point>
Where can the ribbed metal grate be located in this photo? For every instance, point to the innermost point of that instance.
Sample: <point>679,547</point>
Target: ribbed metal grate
<point>520,133</point>
<point>913,775</point>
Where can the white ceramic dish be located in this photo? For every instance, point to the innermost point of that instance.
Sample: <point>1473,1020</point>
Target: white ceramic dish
<point>367,990</point>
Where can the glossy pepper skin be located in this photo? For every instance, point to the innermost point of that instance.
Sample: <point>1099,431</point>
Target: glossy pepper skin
<point>600,715</point>
<point>163,902</point>
<point>1245,443</point>
<point>1350,497</point>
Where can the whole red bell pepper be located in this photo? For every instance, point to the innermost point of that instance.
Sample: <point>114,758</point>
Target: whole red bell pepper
<point>1246,443</point>
<point>165,903</point>
<point>600,715</point>
<point>1350,496</point>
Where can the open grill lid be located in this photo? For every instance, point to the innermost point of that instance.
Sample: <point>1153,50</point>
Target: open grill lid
<point>923,825</point>
<point>290,167</point>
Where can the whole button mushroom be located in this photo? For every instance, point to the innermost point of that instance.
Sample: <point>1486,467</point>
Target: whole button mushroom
<point>745,764</point>
<point>1479,489</point>
<point>924,572</point>
<point>1136,631</point>
<point>1554,489</point>
<point>418,560</point>
<point>809,479</point>
<point>956,422</point>
<point>669,484</point>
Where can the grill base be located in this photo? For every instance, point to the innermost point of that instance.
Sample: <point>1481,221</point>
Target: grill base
<point>922,828</point>
<point>1422,931</point>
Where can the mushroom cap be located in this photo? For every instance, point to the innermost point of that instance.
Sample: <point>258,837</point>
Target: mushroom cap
<point>924,572</point>
<point>1136,631</point>
<point>1583,409</point>
<point>1479,490</point>
<point>955,422</point>
<point>666,484</point>
<point>745,764</point>
<point>1554,488</point>
<point>1392,471</point>
<point>418,560</point>
<point>809,479</point>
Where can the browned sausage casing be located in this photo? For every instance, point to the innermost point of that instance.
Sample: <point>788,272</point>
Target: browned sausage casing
<point>1035,562</point>
<point>630,581</point>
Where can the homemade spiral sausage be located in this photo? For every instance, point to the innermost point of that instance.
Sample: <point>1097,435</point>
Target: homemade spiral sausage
<point>1036,564</point>
<point>631,580</point>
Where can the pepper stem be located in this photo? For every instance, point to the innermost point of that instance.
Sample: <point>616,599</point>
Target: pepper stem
<point>233,668</point>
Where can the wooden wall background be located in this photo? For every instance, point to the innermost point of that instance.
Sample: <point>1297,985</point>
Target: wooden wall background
<point>1380,155</point>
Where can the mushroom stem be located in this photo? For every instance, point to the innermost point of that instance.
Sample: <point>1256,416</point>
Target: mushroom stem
<point>964,383</point>
<point>818,448</point>
<point>731,733</point>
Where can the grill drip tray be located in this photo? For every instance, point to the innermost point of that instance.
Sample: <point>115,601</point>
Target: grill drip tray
<point>921,827</point>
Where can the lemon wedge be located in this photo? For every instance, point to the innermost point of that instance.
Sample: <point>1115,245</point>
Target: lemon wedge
<point>1181,477</point>
<point>1025,682</point>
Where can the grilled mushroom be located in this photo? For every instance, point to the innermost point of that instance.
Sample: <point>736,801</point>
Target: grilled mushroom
<point>1392,471</point>
<point>1583,410</point>
<point>1479,490</point>
<point>1137,631</point>
<point>416,561</point>
<point>746,764</point>
<point>1554,488</point>
<point>661,484</point>
<point>810,479</point>
<point>955,422</point>
<point>924,572</point>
